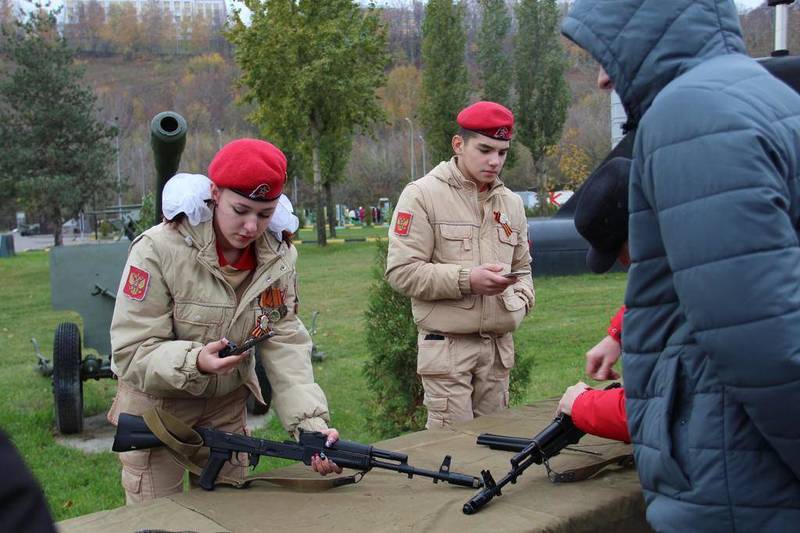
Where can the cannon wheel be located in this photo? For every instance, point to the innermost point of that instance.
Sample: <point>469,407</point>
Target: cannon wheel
<point>67,385</point>
<point>253,407</point>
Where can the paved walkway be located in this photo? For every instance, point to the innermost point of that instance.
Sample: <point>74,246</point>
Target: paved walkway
<point>43,242</point>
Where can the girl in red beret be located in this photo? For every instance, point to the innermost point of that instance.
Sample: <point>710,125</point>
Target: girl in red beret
<point>207,279</point>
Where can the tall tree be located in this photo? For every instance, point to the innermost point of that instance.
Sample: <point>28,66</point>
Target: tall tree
<point>335,153</point>
<point>123,29</point>
<point>87,28</point>
<point>494,62</point>
<point>7,16</point>
<point>312,69</point>
<point>158,33</point>
<point>542,91</point>
<point>444,77</point>
<point>58,153</point>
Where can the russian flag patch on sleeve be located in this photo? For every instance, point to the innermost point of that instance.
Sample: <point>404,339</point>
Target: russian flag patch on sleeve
<point>402,225</point>
<point>136,284</point>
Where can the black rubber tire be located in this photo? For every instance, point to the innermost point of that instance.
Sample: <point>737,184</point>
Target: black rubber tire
<point>67,384</point>
<point>253,407</point>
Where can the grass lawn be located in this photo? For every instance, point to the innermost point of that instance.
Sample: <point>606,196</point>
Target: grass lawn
<point>309,233</point>
<point>570,316</point>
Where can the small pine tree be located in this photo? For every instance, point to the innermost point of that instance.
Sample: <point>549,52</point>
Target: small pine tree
<point>520,379</point>
<point>146,213</point>
<point>391,370</point>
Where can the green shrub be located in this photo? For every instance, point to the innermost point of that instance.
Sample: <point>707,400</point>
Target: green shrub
<point>105,229</point>
<point>520,378</point>
<point>391,369</point>
<point>147,214</point>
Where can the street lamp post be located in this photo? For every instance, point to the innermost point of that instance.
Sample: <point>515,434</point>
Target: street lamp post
<point>119,174</point>
<point>413,159</point>
<point>219,138</point>
<point>424,158</point>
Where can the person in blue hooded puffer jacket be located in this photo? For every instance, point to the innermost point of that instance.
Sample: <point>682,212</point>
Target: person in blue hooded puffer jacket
<point>711,350</point>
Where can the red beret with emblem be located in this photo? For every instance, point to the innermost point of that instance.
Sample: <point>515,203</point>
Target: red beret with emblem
<point>488,118</point>
<point>253,168</point>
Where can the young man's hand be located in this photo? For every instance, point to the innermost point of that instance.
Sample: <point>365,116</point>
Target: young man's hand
<point>572,392</point>
<point>486,280</point>
<point>601,358</point>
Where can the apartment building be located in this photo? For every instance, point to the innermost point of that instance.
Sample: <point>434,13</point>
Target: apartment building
<point>180,10</point>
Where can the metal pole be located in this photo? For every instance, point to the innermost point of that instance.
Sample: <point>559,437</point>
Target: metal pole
<point>781,27</point>
<point>413,159</point>
<point>119,176</point>
<point>424,158</point>
<point>219,138</point>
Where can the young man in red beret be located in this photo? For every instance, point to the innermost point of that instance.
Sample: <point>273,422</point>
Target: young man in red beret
<point>191,286</point>
<point>458,246</point>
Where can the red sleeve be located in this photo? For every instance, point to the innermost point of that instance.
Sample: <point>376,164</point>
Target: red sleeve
<point>615,329</point>
<point>602,413</point>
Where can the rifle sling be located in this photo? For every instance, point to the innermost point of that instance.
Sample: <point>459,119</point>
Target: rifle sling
<point>585,472</point>
<point>183,442</point>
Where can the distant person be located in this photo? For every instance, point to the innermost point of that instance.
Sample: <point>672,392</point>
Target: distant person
<point>458,246</point>
<point>211,274</point>
<point>712,326</point>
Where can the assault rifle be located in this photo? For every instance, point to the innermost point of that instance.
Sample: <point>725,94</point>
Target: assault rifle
<point>133,434</point>
<point>548,443</point>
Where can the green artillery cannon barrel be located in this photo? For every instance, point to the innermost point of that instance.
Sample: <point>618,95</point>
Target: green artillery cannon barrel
<point>167,139</point>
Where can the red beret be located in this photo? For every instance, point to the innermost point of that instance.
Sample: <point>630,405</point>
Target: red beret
<point>253,168</point>
<point>488,118</point>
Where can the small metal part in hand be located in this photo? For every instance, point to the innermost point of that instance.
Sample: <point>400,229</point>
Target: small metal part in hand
<point>233,349</point>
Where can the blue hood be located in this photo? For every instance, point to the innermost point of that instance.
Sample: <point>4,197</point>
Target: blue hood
<point>645,44</point>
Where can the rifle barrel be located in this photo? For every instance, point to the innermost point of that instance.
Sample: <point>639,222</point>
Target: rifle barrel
<point>503,442</point>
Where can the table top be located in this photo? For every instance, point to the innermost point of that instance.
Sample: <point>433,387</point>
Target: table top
<point>389,501</point>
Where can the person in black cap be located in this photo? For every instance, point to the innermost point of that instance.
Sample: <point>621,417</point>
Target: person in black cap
<point>601,217</point>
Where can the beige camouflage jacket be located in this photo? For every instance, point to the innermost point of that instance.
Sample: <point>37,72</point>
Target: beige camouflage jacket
<point>173,299</point>
<point>439,232</point>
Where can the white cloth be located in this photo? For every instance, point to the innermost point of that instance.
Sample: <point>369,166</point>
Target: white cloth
<point>283,219</point>
<point>187,193</point>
